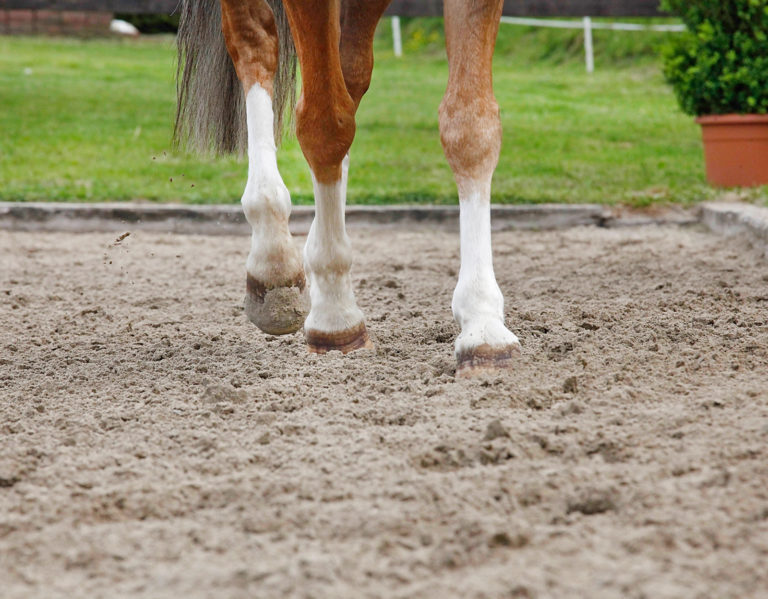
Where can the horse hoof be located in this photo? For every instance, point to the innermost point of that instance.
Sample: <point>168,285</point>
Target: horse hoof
<point>486,359</point>
<point>277,310</point>
<point>344,341</point>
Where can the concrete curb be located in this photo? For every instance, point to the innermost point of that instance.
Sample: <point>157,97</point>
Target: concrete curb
<point>738,219</point>
<point>228,219</point>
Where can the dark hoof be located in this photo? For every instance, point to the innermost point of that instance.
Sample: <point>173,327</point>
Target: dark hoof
<point>486,359</point>
<point>343,341</point>
<point>277,310</point>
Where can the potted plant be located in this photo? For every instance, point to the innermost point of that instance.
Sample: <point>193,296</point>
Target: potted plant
<point>719,71</point>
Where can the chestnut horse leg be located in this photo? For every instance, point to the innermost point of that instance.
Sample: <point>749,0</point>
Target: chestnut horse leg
<point>325,128</point>
<point>276,298</point>
<point>470,131</point>
<point>358,26</point>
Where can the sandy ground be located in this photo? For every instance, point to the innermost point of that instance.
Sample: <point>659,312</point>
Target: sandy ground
<point>153,443</point>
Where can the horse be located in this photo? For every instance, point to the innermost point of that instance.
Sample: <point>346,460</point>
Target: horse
<point>237,79</point>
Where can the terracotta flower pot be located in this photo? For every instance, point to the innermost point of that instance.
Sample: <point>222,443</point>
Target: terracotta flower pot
<point>736,149</point>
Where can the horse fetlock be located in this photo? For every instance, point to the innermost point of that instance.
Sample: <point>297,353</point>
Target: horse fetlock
<point>266,202</point>
<point>330,270</point>
<point>477,299</point>
<point>327,256</point>
<point>334,307</point>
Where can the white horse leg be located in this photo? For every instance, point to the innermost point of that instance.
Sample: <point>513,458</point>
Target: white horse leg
<point>276,299</point>
<point>470,130</point>
<point>478,305</point>
<point>335,321</point>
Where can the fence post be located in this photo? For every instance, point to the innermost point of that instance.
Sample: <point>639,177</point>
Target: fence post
<point>589,53</point>
<point>397,40</point>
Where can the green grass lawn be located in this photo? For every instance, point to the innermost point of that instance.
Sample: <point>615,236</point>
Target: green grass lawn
<point>91,121</point>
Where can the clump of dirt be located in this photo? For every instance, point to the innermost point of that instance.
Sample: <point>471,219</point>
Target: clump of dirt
<point>593,501</point>
<point>494,430</point>
<point>153,443</point>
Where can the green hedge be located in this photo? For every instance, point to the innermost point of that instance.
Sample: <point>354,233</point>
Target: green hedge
<point>720,65</point>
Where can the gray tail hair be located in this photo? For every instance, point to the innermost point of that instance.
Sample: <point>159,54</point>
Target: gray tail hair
<point>210,103</point>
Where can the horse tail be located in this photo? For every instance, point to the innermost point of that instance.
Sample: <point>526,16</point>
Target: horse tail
<point>210,103</point>
<point>284,92</point>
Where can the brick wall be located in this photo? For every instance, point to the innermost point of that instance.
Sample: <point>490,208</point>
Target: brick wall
<point>54,22</point>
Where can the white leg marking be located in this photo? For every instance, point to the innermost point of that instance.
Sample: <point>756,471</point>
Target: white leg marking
<point>478,305</point>
<point>276,300</point>
<point>266,200</point>
<point>328,259</point>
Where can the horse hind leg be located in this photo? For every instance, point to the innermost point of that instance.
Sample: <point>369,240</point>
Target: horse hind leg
<point>359,19</point>
<point>470,131</point>
<point>276,296</point>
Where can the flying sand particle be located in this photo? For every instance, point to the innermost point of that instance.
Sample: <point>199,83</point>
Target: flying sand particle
<point>120,239</point>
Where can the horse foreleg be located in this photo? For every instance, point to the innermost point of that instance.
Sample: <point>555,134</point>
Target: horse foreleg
<point>325,128</point>
<point>470,131</point>
<point>276,298</point>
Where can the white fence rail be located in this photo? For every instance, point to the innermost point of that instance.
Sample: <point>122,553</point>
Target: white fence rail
<point>397,38</point>
<point>587,24</point>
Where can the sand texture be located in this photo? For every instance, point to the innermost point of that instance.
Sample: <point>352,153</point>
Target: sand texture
<point>153,443</point>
